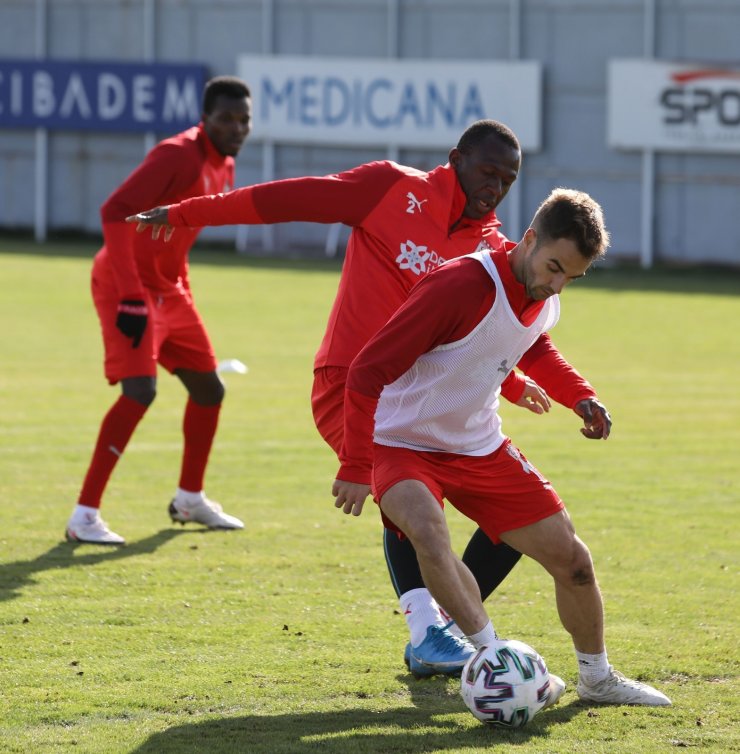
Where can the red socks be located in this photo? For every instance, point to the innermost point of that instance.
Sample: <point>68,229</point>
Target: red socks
<point>199,427</point>
<point>115,432</point>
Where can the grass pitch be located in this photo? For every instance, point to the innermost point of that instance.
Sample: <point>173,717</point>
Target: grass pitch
<point>285,638</point>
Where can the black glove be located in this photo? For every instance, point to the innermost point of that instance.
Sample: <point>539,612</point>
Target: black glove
<point>132,318</point>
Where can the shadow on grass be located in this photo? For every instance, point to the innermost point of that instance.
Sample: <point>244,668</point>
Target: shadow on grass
<point>427,726</point>
<point>15,576</point>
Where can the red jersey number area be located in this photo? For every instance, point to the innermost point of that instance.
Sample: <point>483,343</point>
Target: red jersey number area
<point>500,492</point>
<point>175,335</point>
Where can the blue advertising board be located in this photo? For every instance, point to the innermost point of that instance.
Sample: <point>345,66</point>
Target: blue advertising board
<point>100,96</point>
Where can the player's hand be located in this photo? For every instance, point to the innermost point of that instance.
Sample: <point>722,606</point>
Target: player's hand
<point>350,497</point>
<point>132,318</point>
<point>596,419</point>
<point>156,219</point>
<point>534,397</point>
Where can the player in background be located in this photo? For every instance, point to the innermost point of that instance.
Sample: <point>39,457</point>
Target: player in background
<point>405,222</point>
<point>147,314</point>
<point>421,422</point>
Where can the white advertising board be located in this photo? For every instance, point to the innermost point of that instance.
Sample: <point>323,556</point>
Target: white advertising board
<point>677,107</point>
<point>404,103</point>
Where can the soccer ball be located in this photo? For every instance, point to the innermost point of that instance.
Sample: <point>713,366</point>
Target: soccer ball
<point>505,684</point>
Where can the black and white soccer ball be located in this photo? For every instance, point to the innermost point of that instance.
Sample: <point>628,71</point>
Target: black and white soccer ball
<point>505,683</point>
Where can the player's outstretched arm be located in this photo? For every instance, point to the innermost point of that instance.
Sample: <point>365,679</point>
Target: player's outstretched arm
<point>350,496</point>
<point>596,419</point>
<point>156,218</point>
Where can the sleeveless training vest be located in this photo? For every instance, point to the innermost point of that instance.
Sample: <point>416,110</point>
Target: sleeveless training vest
<point>448,400</point>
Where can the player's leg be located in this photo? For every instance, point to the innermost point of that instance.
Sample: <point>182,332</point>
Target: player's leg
<point>432,647</point>
<point>553,543</point>
<point>486,489</point>
<point>137,393</point>
<point>199,425</point>
<point>435,650</point>
<point>489,562</point>
<point>412,507</point>
<point>440,651</point>
<point>188,354</point>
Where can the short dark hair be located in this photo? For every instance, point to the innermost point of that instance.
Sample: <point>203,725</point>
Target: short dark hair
<point>481,130</point>
<point>228,86</point>
<point>572,214</point>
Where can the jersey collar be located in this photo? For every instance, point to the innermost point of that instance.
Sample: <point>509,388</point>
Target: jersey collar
<point>212,154</point>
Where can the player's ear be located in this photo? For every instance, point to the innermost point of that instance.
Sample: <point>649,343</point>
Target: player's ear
<point>454,156</point>
<point>530,239</point>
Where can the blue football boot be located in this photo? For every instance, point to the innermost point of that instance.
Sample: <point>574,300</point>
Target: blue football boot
<point>440,652</point>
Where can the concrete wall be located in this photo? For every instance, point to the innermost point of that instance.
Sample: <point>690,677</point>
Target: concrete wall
<point>696,199</point>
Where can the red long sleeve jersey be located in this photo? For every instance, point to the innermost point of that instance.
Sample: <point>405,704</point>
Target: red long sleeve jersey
<point>182,166</point>
<point>405,223</point>
<point>443,308</point>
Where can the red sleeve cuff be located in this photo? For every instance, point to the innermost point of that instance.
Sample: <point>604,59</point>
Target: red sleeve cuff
<point>585,395</point>
<point>512,388</point>
<point>234,208</point>
<point>355,474</point>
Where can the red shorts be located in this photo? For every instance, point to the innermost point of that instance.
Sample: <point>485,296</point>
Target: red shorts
<point>175,336</point>
<point>500,492</point>
<point>327,403</point>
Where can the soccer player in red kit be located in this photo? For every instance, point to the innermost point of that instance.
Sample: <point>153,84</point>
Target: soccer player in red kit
<point>405,223</point>
<point>147,314</point>
<point>421,423</point>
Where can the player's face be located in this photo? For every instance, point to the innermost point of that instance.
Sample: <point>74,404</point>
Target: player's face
<point>229,123</point>
<point>549,266</point>
<point>486,173</point>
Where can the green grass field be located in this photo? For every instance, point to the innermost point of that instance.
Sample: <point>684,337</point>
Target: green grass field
<point>285,638</point>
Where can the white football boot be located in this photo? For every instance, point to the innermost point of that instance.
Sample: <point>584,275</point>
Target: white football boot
<point>90,528</point>
<point>616,689</point>
<point>203,511</point>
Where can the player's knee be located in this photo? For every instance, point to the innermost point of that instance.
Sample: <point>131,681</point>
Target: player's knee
<point>216,393</point>
<point>143,391</point>
<point>429,536</point>
<point>571,564</point>
<point>583,576</point>
<point>207,392</point>
<point>581,570</point>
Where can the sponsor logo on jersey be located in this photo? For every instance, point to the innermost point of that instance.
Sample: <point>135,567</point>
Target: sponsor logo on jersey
<point>418,258</point>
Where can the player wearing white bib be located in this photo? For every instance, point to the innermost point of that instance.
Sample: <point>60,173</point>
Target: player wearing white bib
<point>422,424</point>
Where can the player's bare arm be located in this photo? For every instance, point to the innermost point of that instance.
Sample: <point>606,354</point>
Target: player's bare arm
<point>596,419</point>
<point>350,496</point>
<point>156,218</point>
